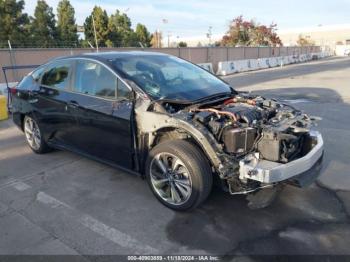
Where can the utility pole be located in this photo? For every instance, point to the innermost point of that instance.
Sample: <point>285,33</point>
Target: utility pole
<point>93,23</point>
<point>165,21</point>
<point>158,38</point>
<point>209,34</point>
<point>169,39</point>
<point>13,60</point>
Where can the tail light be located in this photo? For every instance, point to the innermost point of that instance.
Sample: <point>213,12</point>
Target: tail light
<point>13,90</point>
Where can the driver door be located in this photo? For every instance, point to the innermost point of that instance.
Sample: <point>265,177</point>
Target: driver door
<point>103,109</point>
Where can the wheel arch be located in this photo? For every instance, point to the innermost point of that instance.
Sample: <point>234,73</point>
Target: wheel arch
<point>185,132</point>
<point>23,115</point>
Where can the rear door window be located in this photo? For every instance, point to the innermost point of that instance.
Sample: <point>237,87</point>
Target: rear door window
<point>57,75</point>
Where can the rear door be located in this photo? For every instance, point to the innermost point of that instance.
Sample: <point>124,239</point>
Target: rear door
<point>50,103</point>
<point>103,110</point>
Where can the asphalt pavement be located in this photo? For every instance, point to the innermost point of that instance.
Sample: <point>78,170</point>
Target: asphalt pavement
<point>64,204</point>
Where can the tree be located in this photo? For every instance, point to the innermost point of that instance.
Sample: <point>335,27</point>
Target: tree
<point>305,41</point>
<point>115,37</point>
<point>156,39</point>
<point>265,36</point>
<point>250,33</point>
<point>89,30</point>
<point>182,44</point>
<point>66,26</point>
<point>143,35</point>
<point>120,31</point>
<point>43,25</point>
<point>101,23</point>
<point>13,23</point>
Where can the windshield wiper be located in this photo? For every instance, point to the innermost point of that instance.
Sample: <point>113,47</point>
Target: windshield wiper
<point>175,101</point>
<point>189,102</point>
<point>214,97</point>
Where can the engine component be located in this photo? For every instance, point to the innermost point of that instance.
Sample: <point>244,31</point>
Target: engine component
<point>270,103</point>
<point>245,113</point>
<point>240,100</point>
<point>270,146</point>
<point>238,140</point>
<point>244,123</point>
<point>203,116</point>
<point>216,127</point>
<point>219,113</point>
<point>279,147</point>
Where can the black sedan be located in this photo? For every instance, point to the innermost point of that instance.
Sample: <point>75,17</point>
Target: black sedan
<point>169,121</point>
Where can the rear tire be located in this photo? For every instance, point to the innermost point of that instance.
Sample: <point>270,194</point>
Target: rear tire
<point>179,174</point>
<point>34,136</point>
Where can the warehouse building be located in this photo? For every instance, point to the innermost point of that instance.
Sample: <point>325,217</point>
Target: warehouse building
<point>333,37</point>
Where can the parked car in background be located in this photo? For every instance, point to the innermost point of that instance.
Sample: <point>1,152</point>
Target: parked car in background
<point>168,120</point>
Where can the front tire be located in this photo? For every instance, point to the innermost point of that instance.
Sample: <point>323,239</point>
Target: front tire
<point>34,136</point>
<point>178,174</point>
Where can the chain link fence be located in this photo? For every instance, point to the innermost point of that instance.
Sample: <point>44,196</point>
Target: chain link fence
<point>214,55</point>
<point>31,44</point>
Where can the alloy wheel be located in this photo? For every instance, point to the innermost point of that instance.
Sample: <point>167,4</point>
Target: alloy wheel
<point>32,133</point>
<point>170,178</point>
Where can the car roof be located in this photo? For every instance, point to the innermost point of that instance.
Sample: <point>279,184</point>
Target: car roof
<point>113,55</point>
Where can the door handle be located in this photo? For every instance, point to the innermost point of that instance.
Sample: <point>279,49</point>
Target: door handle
<point>73,103</point>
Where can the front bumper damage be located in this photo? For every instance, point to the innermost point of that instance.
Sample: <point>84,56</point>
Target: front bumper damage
<point>301,172</point>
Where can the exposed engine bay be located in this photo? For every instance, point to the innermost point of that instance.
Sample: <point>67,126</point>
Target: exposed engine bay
<point>245,124</point>
<point>246,127</point>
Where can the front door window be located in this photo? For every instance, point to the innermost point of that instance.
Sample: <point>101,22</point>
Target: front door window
<point>95,79</point>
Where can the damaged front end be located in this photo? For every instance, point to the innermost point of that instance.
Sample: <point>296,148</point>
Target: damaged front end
<point>261,143</point>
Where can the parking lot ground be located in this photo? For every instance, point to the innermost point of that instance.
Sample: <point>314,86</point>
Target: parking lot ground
<point>62,203</point>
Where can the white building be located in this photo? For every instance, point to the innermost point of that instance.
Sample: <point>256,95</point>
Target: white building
<point>322,35</point>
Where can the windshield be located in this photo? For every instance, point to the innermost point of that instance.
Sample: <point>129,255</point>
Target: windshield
<point>167,77</point>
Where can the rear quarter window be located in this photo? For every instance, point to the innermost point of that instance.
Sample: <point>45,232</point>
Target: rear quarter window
<point>27,83</point>
<point>37,74</point>
<point>30,81</point>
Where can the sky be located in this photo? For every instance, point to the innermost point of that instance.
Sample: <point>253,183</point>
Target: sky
<point>191,18</point>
